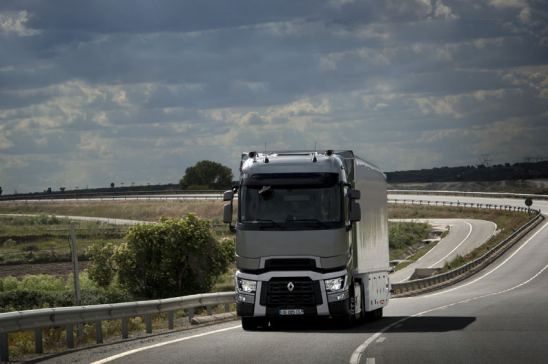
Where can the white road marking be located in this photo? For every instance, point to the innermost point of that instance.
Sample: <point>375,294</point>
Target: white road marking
<point>381,339</point>
<point>458,245</point>
<point>491,271</point>
<point>356,355</point>
<point>129,352</point>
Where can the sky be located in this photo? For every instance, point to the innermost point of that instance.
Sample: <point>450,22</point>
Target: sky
<point>94,92</point>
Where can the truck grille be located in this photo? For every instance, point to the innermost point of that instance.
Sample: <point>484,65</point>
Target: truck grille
<point>305,293</point>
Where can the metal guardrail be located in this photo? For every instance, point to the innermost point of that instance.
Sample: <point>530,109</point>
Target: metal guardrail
<point>470,194</point>
<point>110,195</point>
<point>414,287</point>
<point>478,205</point>
<point>69,317</point>
<point>217,194</point>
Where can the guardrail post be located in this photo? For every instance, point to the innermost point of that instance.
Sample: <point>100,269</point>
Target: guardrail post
<point>99,332</point>
<point>170,320</point>
<point>190,314</point>
<point>38,346</point>
<point>227,307</point>
<point>209,310</point>
<point>148,323</point>
<point>4,350</point>
<point>125,322</point>
<point>70,336</point>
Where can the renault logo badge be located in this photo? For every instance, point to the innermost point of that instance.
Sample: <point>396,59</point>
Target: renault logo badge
<point>290,286</point>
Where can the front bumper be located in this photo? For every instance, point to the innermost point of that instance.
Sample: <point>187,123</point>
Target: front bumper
<point>309,295</point>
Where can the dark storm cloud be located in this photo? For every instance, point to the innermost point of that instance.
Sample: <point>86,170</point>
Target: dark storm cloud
<point>130,89</point>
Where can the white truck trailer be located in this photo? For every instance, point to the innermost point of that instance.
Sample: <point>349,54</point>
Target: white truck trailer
<point>311,237</point>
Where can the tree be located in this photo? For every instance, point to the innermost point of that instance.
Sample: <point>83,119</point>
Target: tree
<point>172,258</point>
<point>111,184</point>
<point>62,189</point>
<point>0,191</point>
<point>207,175</point>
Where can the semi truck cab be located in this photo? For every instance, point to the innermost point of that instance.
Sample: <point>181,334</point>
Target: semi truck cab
<point>303,247</point>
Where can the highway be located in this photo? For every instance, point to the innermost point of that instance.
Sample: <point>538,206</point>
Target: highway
<point>464,236</point>
<point>541,203</point>
<point>497,316</point>
<point>537,204</point>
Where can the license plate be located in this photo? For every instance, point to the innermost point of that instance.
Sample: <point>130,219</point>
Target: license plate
<point>292,312</point>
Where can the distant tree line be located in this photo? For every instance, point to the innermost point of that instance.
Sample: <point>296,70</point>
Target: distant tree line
<point>497,172</point>
<point>204,175</point>
<point>64,191</point>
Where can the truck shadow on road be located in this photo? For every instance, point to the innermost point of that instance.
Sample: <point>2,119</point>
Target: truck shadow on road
<point>410,324</point>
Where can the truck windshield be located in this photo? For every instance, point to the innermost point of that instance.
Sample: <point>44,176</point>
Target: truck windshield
<point>302,205</point>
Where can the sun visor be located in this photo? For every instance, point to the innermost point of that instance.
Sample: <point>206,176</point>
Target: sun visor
<point>293,179</point>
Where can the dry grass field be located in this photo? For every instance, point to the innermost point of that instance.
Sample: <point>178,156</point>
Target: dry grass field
<point>120,209</point>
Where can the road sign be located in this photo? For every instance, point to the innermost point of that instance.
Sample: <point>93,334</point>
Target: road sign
<point>528,201</point>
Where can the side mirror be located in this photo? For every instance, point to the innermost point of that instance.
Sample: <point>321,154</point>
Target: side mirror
<point>227,213</point>
<point>355,211</point>
<point>228,195</point>
<point>354,194</point>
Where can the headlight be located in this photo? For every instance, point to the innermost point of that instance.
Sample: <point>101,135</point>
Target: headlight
<point>246,285</point>
<point>334,284</point>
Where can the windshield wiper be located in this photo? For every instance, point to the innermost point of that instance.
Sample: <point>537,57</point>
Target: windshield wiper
<point>255,221</point>
<point>319,222</point>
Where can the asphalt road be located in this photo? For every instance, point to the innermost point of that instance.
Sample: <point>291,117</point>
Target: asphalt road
<point>464,236</point>
<point>499,315</point>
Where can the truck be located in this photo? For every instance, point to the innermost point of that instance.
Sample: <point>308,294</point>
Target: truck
<point>311,237</point>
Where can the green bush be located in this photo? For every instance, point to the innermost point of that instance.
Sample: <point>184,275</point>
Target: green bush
<point>172,258</point>
<point>28,300</point>
<point>101,269</point>
<point>41,282</point>
<point>404,234</point>
<point>8,283</point>
<point>39,291</point>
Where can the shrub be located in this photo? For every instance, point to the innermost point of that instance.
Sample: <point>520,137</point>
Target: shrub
<point>41,282</point>
<point>403,234</point>
<point>101,269</point>
<point>8,283</point>
<point>174,257</point>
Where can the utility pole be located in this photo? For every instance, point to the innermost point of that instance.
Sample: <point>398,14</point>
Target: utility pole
<point>75,268</point>
<point>76,275</point>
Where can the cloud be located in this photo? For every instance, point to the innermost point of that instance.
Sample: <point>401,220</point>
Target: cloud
<point>15,22</point>
<point>128,90</point>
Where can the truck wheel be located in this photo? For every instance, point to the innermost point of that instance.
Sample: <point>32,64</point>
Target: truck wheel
<point>253,323</point>
<point>374,315</point>
<point>378,313</point>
